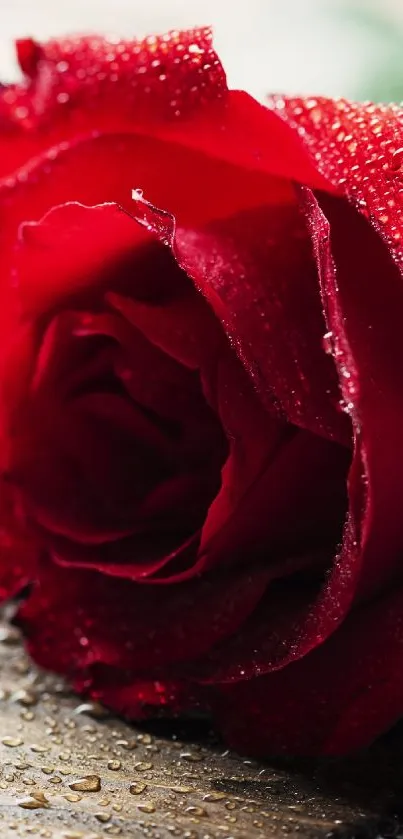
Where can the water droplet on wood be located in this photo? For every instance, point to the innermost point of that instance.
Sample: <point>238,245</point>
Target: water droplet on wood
<point>103,817</point>
<point>137,789</point>
<point>9,635</point>
<point>12,742</point>
<point>39,748</point>
<point>89,783</point>
<point>192,810</point>
<point>146,807</point>
<point>214,796</point>
<point>114,765</point>
<point>32,803</point>
<point>92,709</point>
<point>25,697</point>
<point>142,766</point>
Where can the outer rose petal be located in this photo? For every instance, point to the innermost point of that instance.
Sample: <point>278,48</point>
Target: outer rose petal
<point>171,86</point>
<point>92,618</point>
<point>137,80</point>
<point>357,149</point>
<point>336,699</point>
<point>166,75</point>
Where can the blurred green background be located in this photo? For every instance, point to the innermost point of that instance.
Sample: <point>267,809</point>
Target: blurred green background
<point>350,48</point>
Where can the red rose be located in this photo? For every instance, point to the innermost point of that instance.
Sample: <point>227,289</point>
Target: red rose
<point>201,400</point>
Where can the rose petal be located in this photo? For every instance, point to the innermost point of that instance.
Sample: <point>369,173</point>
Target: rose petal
<point>172,86</point>
<point>19,551</point>
<point>78,84</point>
<point>365,325</point>
<point>88,238</point>
<point>95,618</point>
<point>335,700</point>
<point>139,698</point>
<point>257,272</point>
<point>356,148</point>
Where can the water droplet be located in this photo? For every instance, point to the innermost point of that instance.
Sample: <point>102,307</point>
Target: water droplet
<point>145,738</point>
<point>47,770</point>
<point>230,805</point>
<point>114,765</point>
<point>89,783</point>
<point>327,342</point>
<point>21,112</point>
<point>142,766</point>
<point>137,789</point>
<point>92,709</point>
<point>12,742</point>
<point>214,796</point>
<point>127,744</point>
<point>103,817</point>
<point>195,811</point>
<point>396,160</point>
<point>148,807</point>
<point>55,780</point>
<point>155,220</point>
<point>24,697</point>
<point>39,795</point>
<point>39,748</point>
<point>72,796</point>
<point>9,635</point>
<point>192,757</point>
<point>32,803</point>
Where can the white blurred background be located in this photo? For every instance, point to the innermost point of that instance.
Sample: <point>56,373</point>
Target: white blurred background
<point>336,47</point>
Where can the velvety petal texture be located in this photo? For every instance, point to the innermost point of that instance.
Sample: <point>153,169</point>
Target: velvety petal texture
<point>201,468</point>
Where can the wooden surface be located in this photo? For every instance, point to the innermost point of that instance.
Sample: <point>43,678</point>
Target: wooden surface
<point>69,771</point>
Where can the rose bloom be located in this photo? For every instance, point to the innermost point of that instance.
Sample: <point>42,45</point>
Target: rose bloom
<point>201,400</point>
